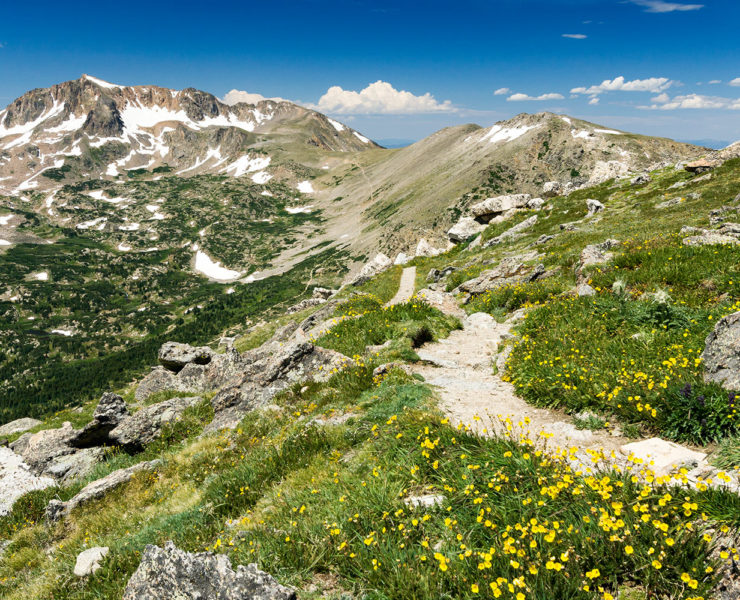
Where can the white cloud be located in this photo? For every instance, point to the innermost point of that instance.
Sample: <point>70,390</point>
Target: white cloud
<point>501,91</point>
<point>236,96</point>
<point>618,84</point>
<point>660,6</point>
<point>716,81</point>
<point>692,101</point>
<point>735,82</point>
<point>524,97</point>
<point>575,36</point>
<point>379,98</point>
<point>594,100</point>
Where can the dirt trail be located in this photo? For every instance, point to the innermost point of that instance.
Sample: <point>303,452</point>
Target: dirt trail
<point>406,287</point>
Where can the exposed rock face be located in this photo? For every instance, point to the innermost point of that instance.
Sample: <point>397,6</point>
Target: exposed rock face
<point>16,479</point>
<point>423,248</point>
<point>509,271</point>
<point>168,573</point>
<point>489,208</point>
<point>378,264</point>
<point>536,203</point>
<point>57,510</point>
<point>143,427</point>
<point>513,232</point>
<point>464,229</point>
<point>50,453</point>
<point>268,370</point>
<point>552,189</point>
<point>89,561</point>
<point>18,426</point>
<point>722,353</point>
<point>594,206</point>
<point>111,410</point>
<point>158,380</point>
<point>174,356</point>
<point>606,170</point>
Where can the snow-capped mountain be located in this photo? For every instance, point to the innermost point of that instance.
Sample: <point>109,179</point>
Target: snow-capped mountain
<point>90,128</point>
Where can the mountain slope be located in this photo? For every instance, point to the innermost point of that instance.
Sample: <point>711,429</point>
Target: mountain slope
<point>420,189</point>
<point>89,128</point>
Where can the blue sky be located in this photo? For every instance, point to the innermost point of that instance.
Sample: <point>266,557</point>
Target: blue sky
<point>450,58</point>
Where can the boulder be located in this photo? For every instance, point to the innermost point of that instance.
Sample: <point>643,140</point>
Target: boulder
<point>701,166</point>
<point>584,289</point>
<point>174,355</point>
<point>18,426</point>
<point>710,238</point>
<point>536,203</point>
<point>424,501</point>
<point>159,379</point>
<point>57,510</point>
<point>50,453</point>
<point>89,561</point>
<point>604,170</point>
<point>323,293</point>
<point>544,238</point>
<point>513,232</point>
<point>144,426</point>
<point>552,189</point>
<point>464,229</point>
<point>669,203</point>
<point>168,573</point>
<point>401,259</point>
<point>594,206</point>
<point>378,264</point>
<point>663,457</point>
<point>596,254</point>
<point>721,354</point>
<point>486,210</point>
<point>508,272</point>
<point>640,179</point>
<point>17,479</point>
<point>111,410</point>
<point>423,248</point>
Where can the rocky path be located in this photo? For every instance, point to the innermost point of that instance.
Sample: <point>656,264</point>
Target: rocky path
<point>406,287</point>
<point>461,367</point>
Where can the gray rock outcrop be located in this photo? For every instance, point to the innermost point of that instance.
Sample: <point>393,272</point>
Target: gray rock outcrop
<point>174,355</point>
<point>111,410</point>
<point>168,573</point>
<point>57,510</point>
<point>508,272</point>
<point>18,426</point>
<point>595,254</point>
<point>424,248</point>
<point>721,354</point>
<point>594,206</point>
<point>144,426</point>
<point>513,232</point>
<point>490,207</point>
<point>552,189</point>
<point>464,229</point>
<point>378,264</point>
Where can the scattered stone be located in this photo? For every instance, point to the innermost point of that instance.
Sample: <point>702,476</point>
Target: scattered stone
<point>700,166</point>
<point>378,264</point>
<point>710,238</point>
<point>544,238</point>
<point>424,501</point>
<point>57,510</point>
<point>669,203</point>
<point>423,248</point>
<point>508,271</point>
<point>552,189</point>
<point>572,226</point>
<point>18,426</point>
<point>640,179</point>
<point>174,355</point>
<point>513,232</point>
<point>464,229</point>
<point>583,289</point>
<point>323,293</point>
<point>89,561</point>
<point>143,427</point>
<point>706,177</point>
<point>678,184</point>
<point>721,354</point>
<point>594,206</point>
<point>111,410</point>
<point>304,304</point>
<point>536,203</point>
<point>168,573</point>
<point>486,210</point>
<point>661,456</point>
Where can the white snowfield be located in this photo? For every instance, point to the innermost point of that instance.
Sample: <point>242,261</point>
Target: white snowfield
<point>64,332</point>
<point>92,223</point>
<point>305,187</point>
<point>608,131</point>
<point>336,125</point>
<point>129,227</point>
<point>294,210</point>
<point>247,164</point>
<point>100,195</point>
<point>4,243</point>
<point>41,276</point>
<point>207,266</point>
<point>5,219</point>
<point>362,138</point>
<point>101,83</point>
<point>497,133</point>
<point>261,178</point>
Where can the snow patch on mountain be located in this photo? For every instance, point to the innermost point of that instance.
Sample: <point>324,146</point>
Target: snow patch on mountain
<point>207,266</point>
<point>247,164</point>
<point>498,133</point>
<point>305,187</point>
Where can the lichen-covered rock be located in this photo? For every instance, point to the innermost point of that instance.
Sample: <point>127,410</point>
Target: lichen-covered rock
<point>464,229</point>
<point>158,380</point>
<point>111,410</point>
<point>594,206</point>
<point>18,426</point>
<point>486,210</point>
<point>174,355</point>
<point>721,354</point>
<point>143,427</point>
<point>57,510</point>
<point>168,573</point>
